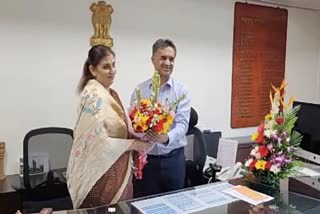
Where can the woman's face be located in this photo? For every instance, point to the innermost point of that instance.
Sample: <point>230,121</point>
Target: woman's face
<point>105,71</point>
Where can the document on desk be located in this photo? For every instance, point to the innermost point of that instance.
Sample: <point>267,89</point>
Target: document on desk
<point>178,203</point>
<point>187,201</point>
<point>227,152</point>
<point>155,206</point>
<point>212,195</point>
<point>246,194</point>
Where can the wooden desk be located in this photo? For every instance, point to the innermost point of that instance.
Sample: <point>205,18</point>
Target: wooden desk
<point>10,196</point>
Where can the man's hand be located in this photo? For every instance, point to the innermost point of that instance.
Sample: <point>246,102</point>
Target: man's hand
<point>157,138</point>
<point>46,211</point>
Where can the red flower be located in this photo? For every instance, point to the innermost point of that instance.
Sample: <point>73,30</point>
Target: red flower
<point>133,113</point>
<point>261,129</point>
<point>252,165</point>
<point>260,139</point>
<point>139,129</point>
<point>156,111</point>
<point>143,105</point>
<point>141,162</point>
<point>149,120</point>
<point>164,120</point>
<point>268,165</point>
<point>263,151</point>
<point>279,120</point>
<point>158,127</point>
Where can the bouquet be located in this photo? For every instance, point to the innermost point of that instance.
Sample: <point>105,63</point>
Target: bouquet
<point>149,114</point>
<point>272,157</point>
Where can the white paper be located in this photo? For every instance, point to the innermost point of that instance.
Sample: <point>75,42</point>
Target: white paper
<point>185,202</point>
<point>155,206</point>
<point>227,152</point>
<point>212,196</point>
<point>201,198</point>
<point>60,212</point>
<point>220,186</point>
<point>233,192</point>
<point>308,172</point>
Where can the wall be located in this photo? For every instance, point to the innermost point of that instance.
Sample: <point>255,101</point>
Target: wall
<point>44,44</point>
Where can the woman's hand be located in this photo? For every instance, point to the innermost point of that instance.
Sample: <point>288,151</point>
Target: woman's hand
<point>140,146</point>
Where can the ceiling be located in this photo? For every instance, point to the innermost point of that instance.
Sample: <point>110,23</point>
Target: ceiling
<point>308,4</point>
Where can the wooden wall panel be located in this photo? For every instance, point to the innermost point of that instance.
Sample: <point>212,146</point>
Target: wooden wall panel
<point>259,52</point>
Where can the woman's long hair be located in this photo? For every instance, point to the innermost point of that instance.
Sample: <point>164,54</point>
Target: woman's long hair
<point>95,55</point>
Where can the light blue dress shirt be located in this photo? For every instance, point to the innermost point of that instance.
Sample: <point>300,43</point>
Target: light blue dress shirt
<point>170,91</point>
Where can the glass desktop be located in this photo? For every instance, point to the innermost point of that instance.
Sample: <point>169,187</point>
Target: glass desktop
<point>289,200</point>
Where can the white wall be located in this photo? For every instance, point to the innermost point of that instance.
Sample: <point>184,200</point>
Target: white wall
<point>44,44</point>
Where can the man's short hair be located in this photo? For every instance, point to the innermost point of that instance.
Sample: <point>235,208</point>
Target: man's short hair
<point>163,43</point>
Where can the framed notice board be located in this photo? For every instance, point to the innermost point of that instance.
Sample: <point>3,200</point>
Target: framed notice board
<point>259,52</point>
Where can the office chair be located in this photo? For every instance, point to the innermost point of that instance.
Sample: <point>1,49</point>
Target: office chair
<point>196,160</point>
<point>212,142</point>
<point>45,157</point>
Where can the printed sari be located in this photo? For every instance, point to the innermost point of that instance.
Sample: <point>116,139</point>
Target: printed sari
<point>100,167</point>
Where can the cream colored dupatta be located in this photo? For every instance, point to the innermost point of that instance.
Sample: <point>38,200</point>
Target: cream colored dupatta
<point>100,138</point>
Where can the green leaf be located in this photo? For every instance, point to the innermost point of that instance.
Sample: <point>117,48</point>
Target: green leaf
<point>290,118</point>
<point>155,88</point>
<point>175,103</point>
<point>296,139</point>
<point>138,97</point>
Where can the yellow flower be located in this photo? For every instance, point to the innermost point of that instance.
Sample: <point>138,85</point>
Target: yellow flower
<point>254,136</point>
<point>260,164</point>
<point>144,127</point>
<point>141,120</point>
<point>166,127</point>
<point>170,118</point>
<point>268,117</point>
<point>146,102</point>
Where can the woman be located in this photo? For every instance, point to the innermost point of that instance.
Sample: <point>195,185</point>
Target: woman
<point>100,164</point>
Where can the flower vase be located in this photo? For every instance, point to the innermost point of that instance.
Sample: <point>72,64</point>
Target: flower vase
<point>262,184</point>
<point>275,183</point>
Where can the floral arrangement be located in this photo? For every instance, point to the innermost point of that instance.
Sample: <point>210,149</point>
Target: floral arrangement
<point>149,114</point>
<point>272,157</point>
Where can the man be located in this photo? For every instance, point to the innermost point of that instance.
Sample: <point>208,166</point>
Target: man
<point>165,170</point>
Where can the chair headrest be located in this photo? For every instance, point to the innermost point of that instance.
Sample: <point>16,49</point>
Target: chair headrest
<point>193,118</point>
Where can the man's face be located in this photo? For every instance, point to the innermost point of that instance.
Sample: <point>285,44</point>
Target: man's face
<point>163,61</point>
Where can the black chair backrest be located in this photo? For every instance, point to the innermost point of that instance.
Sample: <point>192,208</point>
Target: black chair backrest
<point>212,142</point>
<point>45,149</point>
<point>199,146</point>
